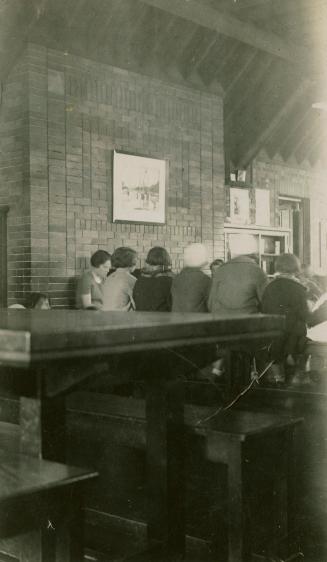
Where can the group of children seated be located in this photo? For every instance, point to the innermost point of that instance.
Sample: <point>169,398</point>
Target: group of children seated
<point>234,287</point>
<point>237,286</point>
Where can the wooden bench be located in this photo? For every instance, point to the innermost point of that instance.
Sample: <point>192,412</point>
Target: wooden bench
<point>49,353</point>
<point>41,507</point>
<point>234,438</point>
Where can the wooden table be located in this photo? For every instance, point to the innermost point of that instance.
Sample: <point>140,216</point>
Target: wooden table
<point>54,350</point>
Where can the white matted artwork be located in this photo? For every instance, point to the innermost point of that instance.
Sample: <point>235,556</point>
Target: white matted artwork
<point>139,188</point>
<point>262,207</point>
<point>239,205</point>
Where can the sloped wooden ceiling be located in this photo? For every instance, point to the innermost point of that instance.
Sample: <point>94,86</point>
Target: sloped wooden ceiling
<point>266,56</point>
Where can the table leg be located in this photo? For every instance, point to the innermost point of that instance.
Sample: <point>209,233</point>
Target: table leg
<point>291,490</point>
<point>165,459</point>
<point>42,427</point>
<point>237,538</point>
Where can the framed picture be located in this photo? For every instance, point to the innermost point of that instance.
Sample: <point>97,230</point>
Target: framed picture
<point>262,206</point>
<point>139,189</point>
<point>239,205</point>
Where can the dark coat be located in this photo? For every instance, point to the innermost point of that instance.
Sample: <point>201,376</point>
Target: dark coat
<point>237,287</point>
<point>152,291</point>
<point>288,297</point>
<point>190,291</point>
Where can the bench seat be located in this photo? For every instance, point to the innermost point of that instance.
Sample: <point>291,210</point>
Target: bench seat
<point>41,508</point>
<point>255,447</point>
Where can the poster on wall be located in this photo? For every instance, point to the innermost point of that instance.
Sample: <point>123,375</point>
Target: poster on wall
<point>239,205</point>
<point>262,207</point>
<point>139,189</point>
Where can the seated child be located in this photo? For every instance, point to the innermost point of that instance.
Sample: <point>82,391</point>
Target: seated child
<point>118,288</point>
<point>190,288</point>
<point>314,292</point>
<point>287,296</point>
<point>215,264</point>
<point>39,301</point>
<point>90,284</point>
<point>152,290</point>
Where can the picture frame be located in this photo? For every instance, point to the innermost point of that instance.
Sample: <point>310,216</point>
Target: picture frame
<point>262,207</point>
<point>139,189</point>
<point>239,205</point>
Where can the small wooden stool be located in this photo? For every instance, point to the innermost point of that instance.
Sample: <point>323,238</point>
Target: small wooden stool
<point>229,438</point>
<point>41,509</point>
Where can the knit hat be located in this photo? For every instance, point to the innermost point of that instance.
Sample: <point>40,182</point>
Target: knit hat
<point>195,255</point>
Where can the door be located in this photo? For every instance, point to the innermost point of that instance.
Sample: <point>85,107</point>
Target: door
<point>295,215</point>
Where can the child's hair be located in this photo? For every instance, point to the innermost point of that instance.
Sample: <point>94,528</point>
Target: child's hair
<point>216,263</point>
<point>288,263</point>
<point>159,256</point>
<point>123,257</point>
<point>100,257</point>
<point>35,298</point>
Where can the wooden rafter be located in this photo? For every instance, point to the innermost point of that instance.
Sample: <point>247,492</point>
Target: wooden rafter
<point>245,32</point>
<point>281,114</point>
<point>288,140</point>
<point>303,145</point>
<point>240,72</point>
<point>177,42</point>
<point>243,4</point>
<point>201,56</point>
<point>235,102</point>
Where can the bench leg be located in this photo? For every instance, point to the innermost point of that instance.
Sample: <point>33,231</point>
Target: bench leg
<point>237,537</point>
<point>42,427</point>
<point>165,460</point>
<point>62,537</point>
<point>292,531</point>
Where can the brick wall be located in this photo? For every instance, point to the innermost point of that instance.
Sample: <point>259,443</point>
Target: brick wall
<point>79,111</point>
<point>14,179</point>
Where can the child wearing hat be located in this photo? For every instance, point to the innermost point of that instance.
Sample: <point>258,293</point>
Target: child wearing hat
<point>190,288</point>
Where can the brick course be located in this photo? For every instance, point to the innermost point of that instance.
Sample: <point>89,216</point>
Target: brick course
<point>78,111</point>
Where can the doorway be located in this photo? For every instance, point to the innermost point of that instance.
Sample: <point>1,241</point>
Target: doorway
<point>294,214</point>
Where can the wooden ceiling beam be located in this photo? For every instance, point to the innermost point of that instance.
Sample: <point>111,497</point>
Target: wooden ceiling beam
<point>176,43</point>
<point>317,148</point>
<point>245,32</point>
<point>240,97</point>
<point>18,19</point>
<point>241,72</point>
<point>211,68</point>
<point>286,146</point>
<point>267,132</point>
<point>238,5</point>
<point>201,56</point>
<point>303,145</point>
